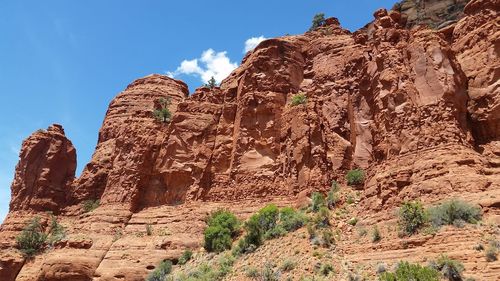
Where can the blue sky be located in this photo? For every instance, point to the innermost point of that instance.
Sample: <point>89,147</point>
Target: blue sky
<point>63,61</point>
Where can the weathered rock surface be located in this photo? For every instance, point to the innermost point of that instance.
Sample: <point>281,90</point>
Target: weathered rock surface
<point>45,172</point>
<point>434,13</point>
<point>417,109</point>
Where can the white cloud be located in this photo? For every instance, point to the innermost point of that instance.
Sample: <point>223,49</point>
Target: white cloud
<point>210,64</point>
<point>251,43</point>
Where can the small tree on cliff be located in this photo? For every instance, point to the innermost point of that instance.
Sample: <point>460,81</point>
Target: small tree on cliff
<point>318,20</point>
<point>32,239</point>
<point>211,83</point>
<point>163,114</point>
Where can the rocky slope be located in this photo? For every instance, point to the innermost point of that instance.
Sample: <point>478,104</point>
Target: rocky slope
<point>417,109</point>
<point>434,13</point>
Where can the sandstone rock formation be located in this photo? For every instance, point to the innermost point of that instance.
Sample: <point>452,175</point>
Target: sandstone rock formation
<point>435,13</point>
<point>416,108</point>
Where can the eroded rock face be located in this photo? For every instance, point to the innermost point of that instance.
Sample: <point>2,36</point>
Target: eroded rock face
<point>45,172</point>
<point>435,13</point>
<point>417,109</point>
<point>476,41</point>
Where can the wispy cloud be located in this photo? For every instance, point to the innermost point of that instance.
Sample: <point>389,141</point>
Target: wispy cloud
<point>210,64</point>
<point>251,43</point>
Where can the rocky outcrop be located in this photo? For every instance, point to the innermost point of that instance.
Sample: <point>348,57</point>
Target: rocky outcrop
<point>476,41</point>
<point>434,13</point>
<point>416,108</point>
<point>45,172</point>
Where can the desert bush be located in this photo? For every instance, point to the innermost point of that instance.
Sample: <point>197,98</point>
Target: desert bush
<point>90,205</point>
<point>406,271</point>
<point>376,236</point>
<point>288,265</point>
<point>254,234</point>
<point>163,114</point>
<point>149,229</point>
<point>32,239</point>
<point>412,216</point>
<point>454,212</point>
<point>332,199</point>
<point>318,20</point>
<point>353,221</point>
<point>252,272</point>
<point>491,251</point>
<point>322,218</point>
<point>275,232</point>
<point>56,233</point>
<point>327,238</point>
<point>291,219</point>
<point>355,177</point>
<point>159,274</point>
<point>326,269</point>
<point>311,231</point>
<point>317,201</point>
<point>268,217</point>
<point>449,268</point>
<point>222,227</point>
<point>268,273</point>
<point>299,99</point>
<point>186,256</point>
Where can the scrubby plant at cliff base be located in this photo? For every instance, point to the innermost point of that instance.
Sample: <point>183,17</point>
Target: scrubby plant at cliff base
<point>161,272</point>
<point>454,212</point>
<point>90,205</point>
<point>32,239</point>
<point>317,201</point>
<point>355,177</point>
<point>406,271</point>
<point>57,231</point>
<point>412,217</point>
<point>291,219</point>
<point>449,268</point>
<point>186,256</point>
<point>299,99</point>
<point>223,226</point>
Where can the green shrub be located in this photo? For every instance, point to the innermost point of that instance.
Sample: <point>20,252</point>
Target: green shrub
<point>217,239</point>
<point>491,251</point>
<point>186,256</point>
<point>163,114</point>
<point>332,199</point>
<point>32,239</point>
<point>275,232</point>
<point>376,236</point>
<point>355,177</point>
<point>291,219</point>
<point>311,231</point>
<point>57,232</point>
<point>222,227</point>
<point>318,20</point>
<point>299,99</point>
<point>412,216</point>
<point>268,273</point>
<point>318,201</point>
<point>252,272</point>
<point>454,212</point>
<point>268,217</point>
<point>90,205</point>
<point>327,238</point>
<point>451,269</point>
<point>159,274</point>
<point>353,221</point>
<point>326,269</point>
<point>254,234</point>
<point>410,272</point>
<point>322,218</point>
<point>288,265</point>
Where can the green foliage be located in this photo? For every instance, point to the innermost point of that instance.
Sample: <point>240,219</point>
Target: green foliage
<point>186,256</point>
<point>159,274</point>
<point>454,212</point>
<point>412,217</point>
<point>222,227</point>
<point>318,20</point>
<point>355,177</point>
<point>291,219</point>
<point>254,235</point>
<point>326,269</point>
<point>311,231</point>
<point>327,238</point>
<point>332,199</point>
<point>451,269</point>
<point>268,217</point>
<point>211,83</point>
<point>322,218</point>
<point>491,251</point>
<point>353,221</point>
<point>268,273</point>
<point>299,99</point>
<point>318,201</point>
<point>32,239</point>
<point>252,272</point>
<point>57,232</point>
<point>288,265</point>
<point>163,114</point>
<point>411,272</point>
<point>376,236</point>
<point>90,205</point>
